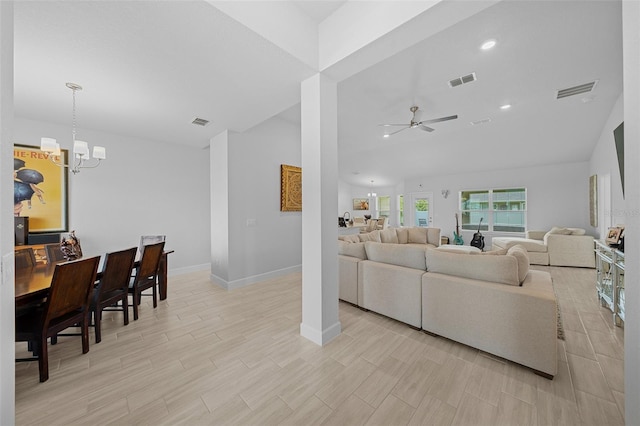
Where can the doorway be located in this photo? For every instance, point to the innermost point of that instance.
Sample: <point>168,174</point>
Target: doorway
<point>421,209</point>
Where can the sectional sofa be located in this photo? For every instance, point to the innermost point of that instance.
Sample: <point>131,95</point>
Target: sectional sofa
<point>557,247</point>
<point>491,301</point>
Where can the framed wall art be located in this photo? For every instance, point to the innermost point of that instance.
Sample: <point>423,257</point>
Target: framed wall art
<point>290,188</point>
<point>40,189</point>
<point>360,204</point>
<point>593,200</point>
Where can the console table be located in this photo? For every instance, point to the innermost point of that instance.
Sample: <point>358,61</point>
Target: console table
<point>610,280</point>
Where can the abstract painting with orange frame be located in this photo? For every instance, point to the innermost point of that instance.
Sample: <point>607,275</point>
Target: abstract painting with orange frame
<point>40,189</point>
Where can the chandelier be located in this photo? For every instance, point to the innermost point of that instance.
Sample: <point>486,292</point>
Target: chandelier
<point>371,193</point>
<point>81,158</point>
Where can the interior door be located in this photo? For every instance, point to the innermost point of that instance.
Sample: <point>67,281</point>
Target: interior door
<point>421,209</point>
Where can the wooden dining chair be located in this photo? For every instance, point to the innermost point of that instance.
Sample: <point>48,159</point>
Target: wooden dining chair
<point>53,253</point>
<point>146,240</point>
<point>67,305</point>
<point>112,290</point>
<point>25,258</point>
<point>146,275</point>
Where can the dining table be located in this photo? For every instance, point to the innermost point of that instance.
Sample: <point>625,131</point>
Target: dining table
<point>32,283</point>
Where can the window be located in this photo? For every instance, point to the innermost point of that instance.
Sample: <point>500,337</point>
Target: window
<point>384,206</point>
<point>401,209</point>
<point>500,209</point>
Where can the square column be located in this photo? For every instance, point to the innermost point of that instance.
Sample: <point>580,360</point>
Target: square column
<point>320,322</point>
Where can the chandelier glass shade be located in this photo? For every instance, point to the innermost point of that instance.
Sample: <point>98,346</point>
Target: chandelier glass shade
<point>371,193</point>
<point>81,158</point>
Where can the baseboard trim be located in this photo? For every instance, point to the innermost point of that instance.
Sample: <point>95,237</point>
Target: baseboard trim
<point>243,282</point>
<point>188,269</point>
<point>320,337</point>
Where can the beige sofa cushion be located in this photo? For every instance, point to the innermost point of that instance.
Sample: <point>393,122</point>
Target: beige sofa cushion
<point>521,255</point>
<point>537,246</point>
<point>433,236</point>
<point>577,231</point>
<point>389,235</point>
<point>352,249</point>
<point>459,249</point>
<point>499,269</point>
<point>370,236</point>
<point>403,235</point>
<point>560,231</point>
<point>353,238</point>
<point>417,235</point>
<point>396,254</point>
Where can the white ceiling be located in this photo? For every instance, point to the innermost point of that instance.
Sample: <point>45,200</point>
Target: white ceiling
<point>149,68</point>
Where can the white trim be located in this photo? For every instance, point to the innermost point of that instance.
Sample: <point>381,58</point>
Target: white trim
<point>243,282</point>
<point>188,269</point>
<point>320,337</point>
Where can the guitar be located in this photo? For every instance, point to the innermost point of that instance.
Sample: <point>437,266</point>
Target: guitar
<point>478,238</point>
<point>457,238</point>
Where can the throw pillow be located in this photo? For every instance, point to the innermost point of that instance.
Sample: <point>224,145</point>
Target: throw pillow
<point>352,249</point>
<point>561,231</point>
<point>389,235</point>
<point>417,235</point>
<point>403,235</point>
<point>353,238</point>
<point>370,236</point>
<point>521,255</point>
<point>577,231</point>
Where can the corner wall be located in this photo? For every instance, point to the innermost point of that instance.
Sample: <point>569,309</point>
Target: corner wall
<point>263,241</point>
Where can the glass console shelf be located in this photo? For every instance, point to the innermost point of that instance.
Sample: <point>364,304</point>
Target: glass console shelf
<point>610,280</point>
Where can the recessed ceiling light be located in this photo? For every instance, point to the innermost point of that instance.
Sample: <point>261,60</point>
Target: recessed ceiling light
<point>505,106</point>
<point>489,44</point>
<point>386,135</point>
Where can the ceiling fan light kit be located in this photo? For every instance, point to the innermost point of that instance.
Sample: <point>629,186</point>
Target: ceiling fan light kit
<point>419,124</point>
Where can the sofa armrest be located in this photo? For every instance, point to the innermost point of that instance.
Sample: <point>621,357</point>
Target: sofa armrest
<point>571,250</point>
<point>535,235</point>
<point>517,323</point>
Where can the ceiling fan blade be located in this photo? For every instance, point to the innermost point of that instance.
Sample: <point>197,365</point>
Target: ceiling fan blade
<point>398,131</point>
<point>388,125</point>
<point>425,128</point>
<point>438,120</point>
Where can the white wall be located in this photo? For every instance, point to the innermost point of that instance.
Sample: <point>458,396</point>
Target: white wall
<point>557,195</point>
<point>631,54</point>
<point>144,187</point>
<point>7,284</point>
<point>604,160</point>
<point>263,241</point>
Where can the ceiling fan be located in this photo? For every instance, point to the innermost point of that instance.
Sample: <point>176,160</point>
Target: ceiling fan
<point>418,124</point>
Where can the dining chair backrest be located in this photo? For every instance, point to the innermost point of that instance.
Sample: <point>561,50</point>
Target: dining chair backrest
<point>151,255</point>
<point>53,252</point>
<point>71,287</point>
<point>116,271</point>
<point>146,240</point>
<point>25,258</point>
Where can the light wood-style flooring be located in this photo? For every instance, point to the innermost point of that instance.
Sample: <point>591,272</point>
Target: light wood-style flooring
<point>211,356</point>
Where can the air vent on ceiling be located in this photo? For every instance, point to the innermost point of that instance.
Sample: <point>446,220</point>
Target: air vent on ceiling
<point>482,121</point>
<point>200,122</point>
<point>576,90</point>
<point>462,80</point>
